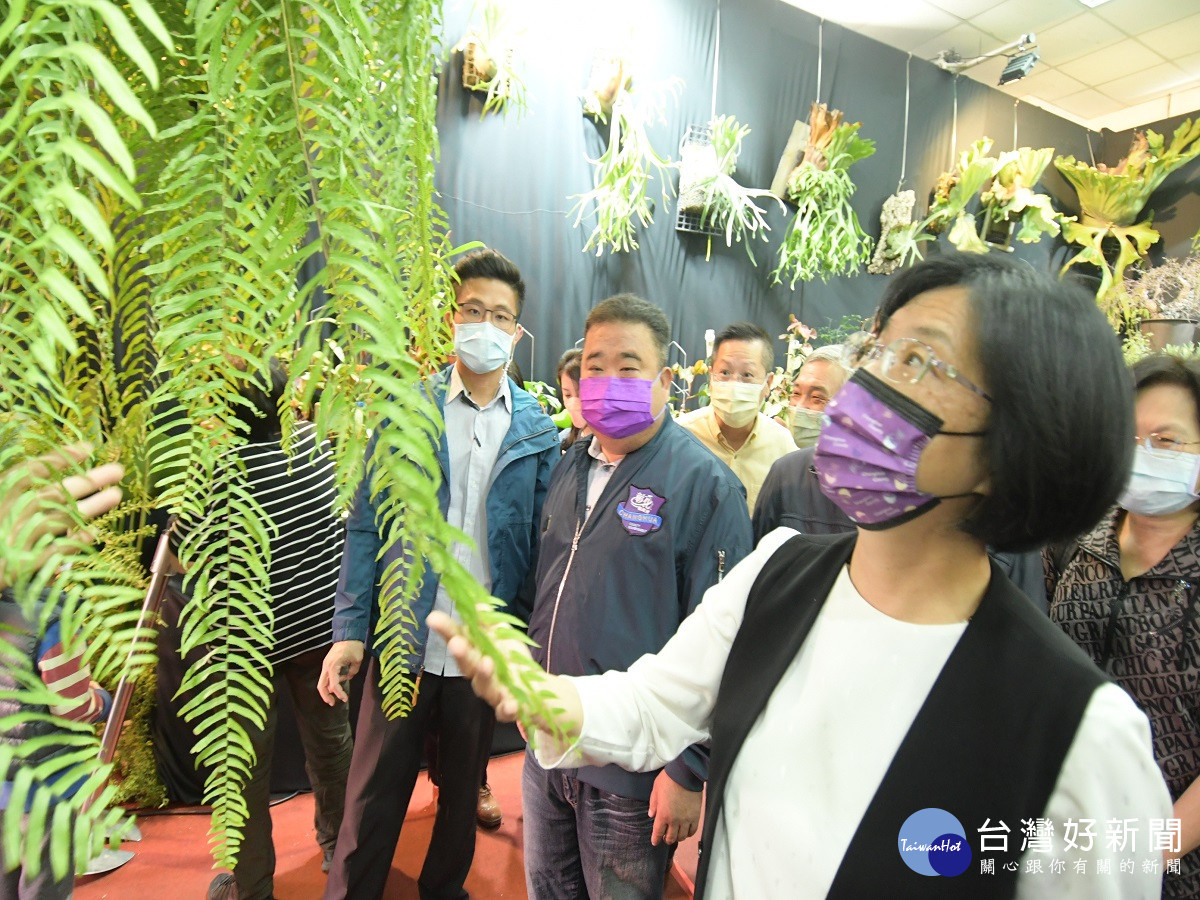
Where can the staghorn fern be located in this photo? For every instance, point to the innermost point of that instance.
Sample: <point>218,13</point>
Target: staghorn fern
<point>135,298</point>
<point>824,238</point>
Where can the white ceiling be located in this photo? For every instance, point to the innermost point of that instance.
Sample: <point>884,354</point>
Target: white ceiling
<point>1124,64</point>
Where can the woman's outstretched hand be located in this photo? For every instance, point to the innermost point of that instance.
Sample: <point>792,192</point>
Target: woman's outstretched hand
<point>479,668</point>
<point>556,695</point>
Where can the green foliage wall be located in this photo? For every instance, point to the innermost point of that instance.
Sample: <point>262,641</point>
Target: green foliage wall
<point>165,172</point>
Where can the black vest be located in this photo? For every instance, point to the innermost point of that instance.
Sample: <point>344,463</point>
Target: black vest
<point>988,742</point>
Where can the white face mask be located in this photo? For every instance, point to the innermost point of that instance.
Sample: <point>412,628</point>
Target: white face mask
<point>735,403</point>
<point>482,346</point>
<point>1162,482</point>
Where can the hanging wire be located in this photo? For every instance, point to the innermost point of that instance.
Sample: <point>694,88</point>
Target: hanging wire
<point>1016,103</point>
<point>954,127</point>
<point>716,64</point>
<point>820,55</point>
<point>1091,152</point>
<point>904,147</point>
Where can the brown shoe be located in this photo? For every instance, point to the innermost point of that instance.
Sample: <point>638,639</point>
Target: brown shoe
<point>488,812</point>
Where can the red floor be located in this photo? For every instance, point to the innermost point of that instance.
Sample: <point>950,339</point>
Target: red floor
<point>172,860</point>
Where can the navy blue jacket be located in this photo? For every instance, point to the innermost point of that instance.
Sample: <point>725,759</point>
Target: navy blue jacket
<point>517,489</point>
<point>671,521</point>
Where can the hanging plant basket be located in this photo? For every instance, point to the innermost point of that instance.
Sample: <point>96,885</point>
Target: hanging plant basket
<point>488,61</point>
<point>998,234</point>
<point>622,175</point>
<point>697,162</point>
<point>895,225</point>
<point>609,79</point>
<point>479,67</point>
<point>711,201</point>
<point>824,239</point>
<point>1111,200</point>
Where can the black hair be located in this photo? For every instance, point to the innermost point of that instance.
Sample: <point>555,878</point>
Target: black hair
<point>1058,442</point>
<point>747,331</point>
<point>570,364</point>
<point>1165,368</point>
<point>631,308</point>
<point>260,412</point>
<point>495,265</point>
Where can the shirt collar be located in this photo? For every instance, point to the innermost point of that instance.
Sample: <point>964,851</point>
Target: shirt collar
<point>714,429</point>
<point>455,389</point>
<point>1183,560</point>
<point>597,453</point>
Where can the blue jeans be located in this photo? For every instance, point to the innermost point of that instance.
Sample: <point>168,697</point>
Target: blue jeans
<point>584,842</point>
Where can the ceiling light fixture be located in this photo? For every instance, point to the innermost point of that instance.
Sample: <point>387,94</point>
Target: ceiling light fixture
<point>1093,3</point>
<point>1019,65</point>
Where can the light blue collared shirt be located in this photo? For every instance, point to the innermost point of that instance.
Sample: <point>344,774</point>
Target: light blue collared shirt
<point>474,435</point>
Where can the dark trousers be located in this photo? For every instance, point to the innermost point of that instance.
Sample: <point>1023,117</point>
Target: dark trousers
<point>19,884</point>
<point>583,842</point>
<point>387,758</point>
<point>325,735</point>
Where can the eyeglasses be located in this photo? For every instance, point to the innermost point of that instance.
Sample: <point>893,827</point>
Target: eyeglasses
<point>473,313</point>
<point>904,360</point>
<point>1163,444</point>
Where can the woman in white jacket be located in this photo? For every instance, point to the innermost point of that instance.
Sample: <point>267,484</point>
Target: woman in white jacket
<point>887,712</point>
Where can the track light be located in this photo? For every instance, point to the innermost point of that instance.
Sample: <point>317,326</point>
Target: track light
<point>1019,66</point>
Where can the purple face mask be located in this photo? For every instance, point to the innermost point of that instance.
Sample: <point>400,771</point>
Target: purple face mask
<point>867,454</point>
<point>616,407</point>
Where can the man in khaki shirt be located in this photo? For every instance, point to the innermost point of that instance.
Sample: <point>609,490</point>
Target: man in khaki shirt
<point>732,426</point>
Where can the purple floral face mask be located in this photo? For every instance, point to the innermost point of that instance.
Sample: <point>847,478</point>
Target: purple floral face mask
<point>867,454</point>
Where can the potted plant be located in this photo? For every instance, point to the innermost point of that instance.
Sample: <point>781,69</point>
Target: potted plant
<point>1011,205</point>
<point>1163,302</point>
<point>621,176</point>
<point>1111,200</point>
<point>895,227</point>
<point>799,339</point>
<point>488,49</point>
<point>687,374</point>
<point>824,238</point>
<point>707,186</point>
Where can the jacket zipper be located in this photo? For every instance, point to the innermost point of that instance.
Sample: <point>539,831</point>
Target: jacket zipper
<point>522,438</point>
<point>720,565</point>
<point>562,584</point>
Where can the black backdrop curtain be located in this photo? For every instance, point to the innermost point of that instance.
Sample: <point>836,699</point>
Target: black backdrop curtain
<point>509,181</point>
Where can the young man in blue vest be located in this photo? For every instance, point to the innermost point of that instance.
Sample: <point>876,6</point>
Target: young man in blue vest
<point>496,455</point>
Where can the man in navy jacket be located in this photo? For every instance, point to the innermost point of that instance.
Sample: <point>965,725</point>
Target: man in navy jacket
<point>640,520</point>
<point>495,455</point>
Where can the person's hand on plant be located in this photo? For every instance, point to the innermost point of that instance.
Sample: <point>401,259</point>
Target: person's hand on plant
<point>31,509</point>
<point>341,663</point>
<point>481,669</point>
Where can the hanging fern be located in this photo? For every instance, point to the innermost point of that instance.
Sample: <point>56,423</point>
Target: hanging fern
<point>61,156</point>
<point>136,299</point>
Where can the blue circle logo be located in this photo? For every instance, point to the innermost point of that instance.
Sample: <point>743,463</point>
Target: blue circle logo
<point>933,842</point>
